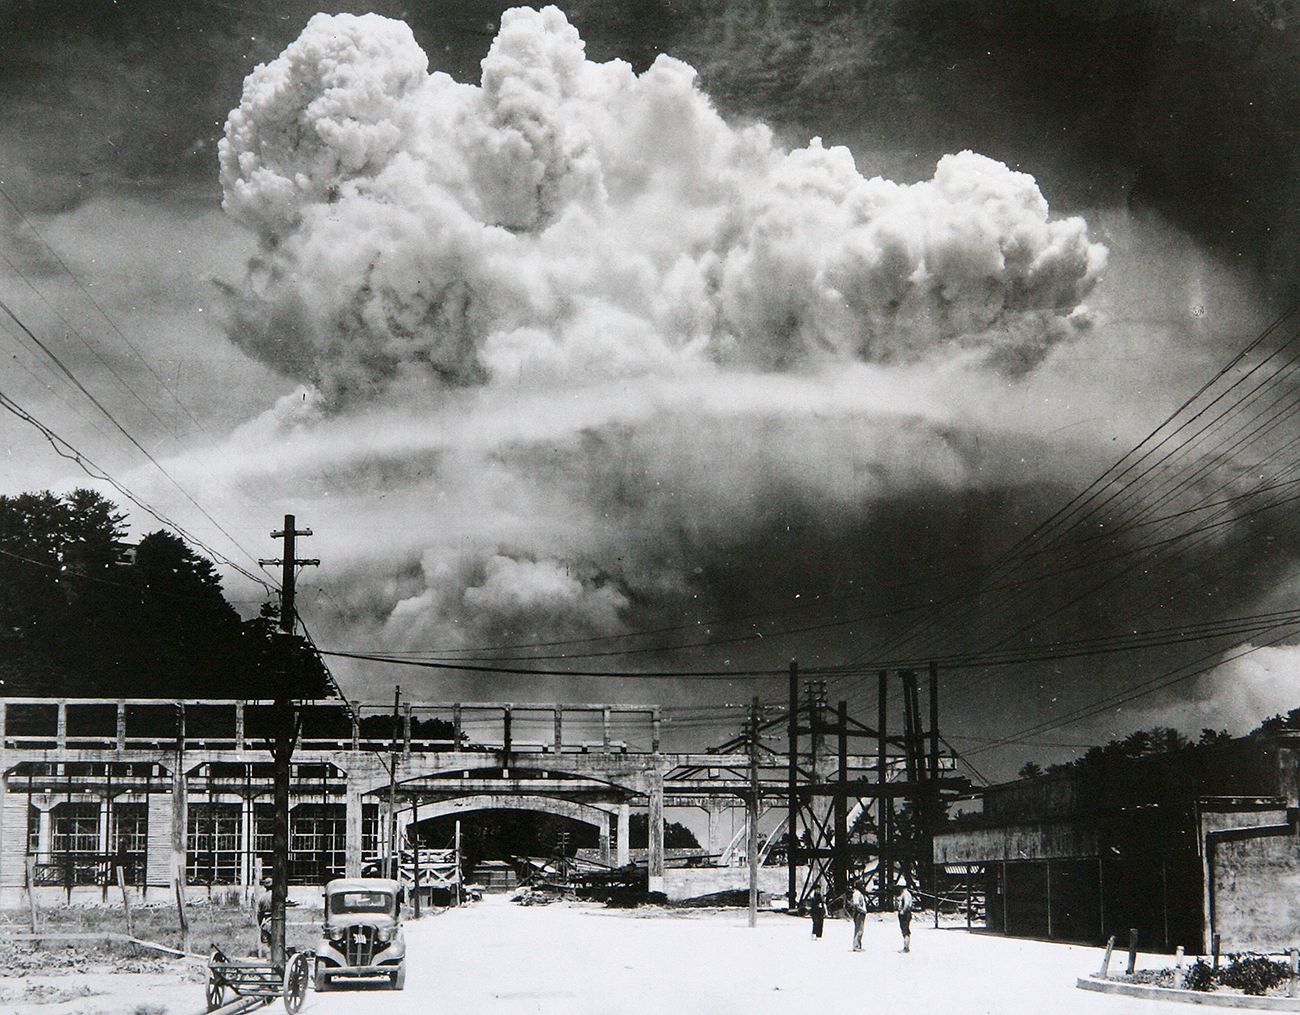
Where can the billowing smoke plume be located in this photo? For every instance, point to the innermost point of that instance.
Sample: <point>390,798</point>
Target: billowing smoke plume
<point>581,360</point>
<point>567,218</point>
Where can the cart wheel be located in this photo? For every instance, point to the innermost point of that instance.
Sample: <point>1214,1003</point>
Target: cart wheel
<point>296,975</point>
<point>216,988</point>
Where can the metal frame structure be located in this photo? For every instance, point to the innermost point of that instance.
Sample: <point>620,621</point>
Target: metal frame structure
<point>861,815</point>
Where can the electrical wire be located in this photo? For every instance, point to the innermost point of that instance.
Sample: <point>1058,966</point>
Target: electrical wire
<point>64,449</point>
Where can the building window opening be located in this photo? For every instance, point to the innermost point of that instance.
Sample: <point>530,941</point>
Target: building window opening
<point>212,844</point>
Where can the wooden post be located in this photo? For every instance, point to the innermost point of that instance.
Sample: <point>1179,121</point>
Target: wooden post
<point>126,902</point>
<point>559,729</point>
<point>415,848</point>
<point>792,856</point>
<point>753,813</point>
<point>840,804</point>
<point>31,890</point>
<point>1105,962</point>
<point>1132,949</point>
<point>884,805</point>
<point>184,919</point>
<point>1293,960</point>
<point>1215,946</point>
<point>460,870</point>
<point>391,865</point>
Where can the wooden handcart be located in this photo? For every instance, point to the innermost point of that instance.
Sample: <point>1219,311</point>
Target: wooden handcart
<point>258,979</point>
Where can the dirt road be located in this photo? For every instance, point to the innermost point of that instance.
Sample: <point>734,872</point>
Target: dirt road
<point>501,957</point>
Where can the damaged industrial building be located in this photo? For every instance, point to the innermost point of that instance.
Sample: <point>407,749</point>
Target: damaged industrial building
<point>1196,847</point>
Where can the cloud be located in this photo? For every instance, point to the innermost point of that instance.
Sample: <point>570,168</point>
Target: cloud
<point>581,360</point>
<point>567,217</point>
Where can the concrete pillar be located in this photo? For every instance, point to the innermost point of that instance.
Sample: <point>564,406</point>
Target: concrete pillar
<point>656,830</point>
<point>105,820</point>
<point>714,811</point>
<point>44,833</point>
<point>352,827</point>
<point>239,725</point>
<point>247,818</point>
<point>623,854</point>
<point>61,725</point>
<point>604,838</point>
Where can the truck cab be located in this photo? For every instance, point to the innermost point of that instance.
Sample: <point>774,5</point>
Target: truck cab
<point>362,934</point>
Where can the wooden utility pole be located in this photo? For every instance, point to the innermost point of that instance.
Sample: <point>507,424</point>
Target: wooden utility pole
<point>753,813</point>
<point>392,787</point>
<point>285,735</point>
<point>415,850</point>
<point>793,845</point>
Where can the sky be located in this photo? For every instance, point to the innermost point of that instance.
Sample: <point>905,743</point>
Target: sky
<point>660,338</point>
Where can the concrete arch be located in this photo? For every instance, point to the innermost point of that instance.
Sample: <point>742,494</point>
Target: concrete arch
<point>548,805</point>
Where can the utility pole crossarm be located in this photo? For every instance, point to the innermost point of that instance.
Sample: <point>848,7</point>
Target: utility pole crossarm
<point>287,562</point>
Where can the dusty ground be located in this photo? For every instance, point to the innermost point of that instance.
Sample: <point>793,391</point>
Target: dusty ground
<point>573,958</point>
<point>114,978</point>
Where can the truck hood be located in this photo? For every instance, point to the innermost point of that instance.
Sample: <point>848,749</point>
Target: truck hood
<point>359,919</point>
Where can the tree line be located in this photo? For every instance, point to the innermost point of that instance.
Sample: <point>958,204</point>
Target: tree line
<point>84,613</point>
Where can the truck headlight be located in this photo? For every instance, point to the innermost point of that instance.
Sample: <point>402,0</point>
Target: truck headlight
<point>386,934</point>
<point>335,934</point>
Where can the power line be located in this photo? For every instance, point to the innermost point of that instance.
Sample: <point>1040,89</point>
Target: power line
<point>102,312</point>
<point>144,451</point>
<point>65,449</point>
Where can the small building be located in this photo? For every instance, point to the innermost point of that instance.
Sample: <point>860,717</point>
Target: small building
<point>1181,846</point>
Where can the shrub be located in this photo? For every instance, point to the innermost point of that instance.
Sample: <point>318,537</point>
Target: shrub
<point>1200,976</point>
<point>1254,974</point>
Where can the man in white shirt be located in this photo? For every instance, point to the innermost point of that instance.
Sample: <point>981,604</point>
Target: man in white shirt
<point>906,903</point>
<point>857,908</point>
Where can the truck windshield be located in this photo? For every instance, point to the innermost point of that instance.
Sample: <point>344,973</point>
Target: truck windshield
<point>361,902</point>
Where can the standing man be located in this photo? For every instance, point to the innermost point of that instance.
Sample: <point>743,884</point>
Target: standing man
<point>857,907</point>
<point>905,906</point>
<point>817,910</point>
<point>262,904</point>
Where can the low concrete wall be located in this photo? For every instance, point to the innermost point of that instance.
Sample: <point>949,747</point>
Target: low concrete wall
<point>54,897</point>
<point>681,883</point>
<point>1255,883</point>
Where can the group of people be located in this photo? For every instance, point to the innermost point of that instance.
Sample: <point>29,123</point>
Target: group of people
<point>856,907</point>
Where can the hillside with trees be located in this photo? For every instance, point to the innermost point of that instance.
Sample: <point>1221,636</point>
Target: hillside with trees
<point>83,613</point>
